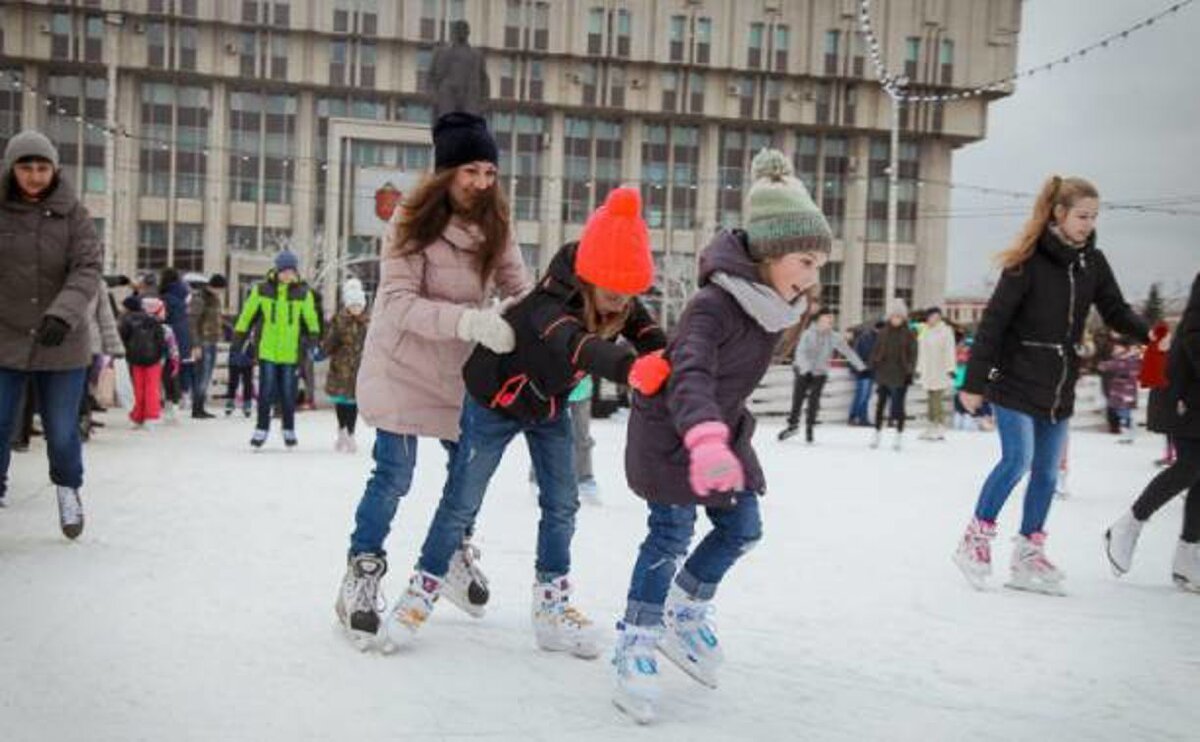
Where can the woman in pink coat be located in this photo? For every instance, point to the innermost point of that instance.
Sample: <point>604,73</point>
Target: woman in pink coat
<point>447,248</point>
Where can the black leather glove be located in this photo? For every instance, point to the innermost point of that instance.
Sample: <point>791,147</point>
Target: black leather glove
<point>52,332</point>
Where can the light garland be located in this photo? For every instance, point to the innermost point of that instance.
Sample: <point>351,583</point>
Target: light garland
<point>893,88</point>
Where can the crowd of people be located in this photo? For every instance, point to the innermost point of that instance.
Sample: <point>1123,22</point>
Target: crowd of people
<point>461,346</point>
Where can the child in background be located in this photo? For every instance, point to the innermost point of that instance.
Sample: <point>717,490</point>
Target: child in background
<point>144,336</point>
<point>1123,369</point>
<point>343,345</point>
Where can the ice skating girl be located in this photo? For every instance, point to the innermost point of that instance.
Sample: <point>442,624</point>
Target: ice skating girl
<point>894,361</point>
<point>690,446</point>
<point>1026,361</point>
<point>343,345</point>
<point>1174,411</point>
<point>447,248</point>
<point>567,328</point>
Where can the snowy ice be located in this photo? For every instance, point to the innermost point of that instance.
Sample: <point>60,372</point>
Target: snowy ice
<point>198,604</point>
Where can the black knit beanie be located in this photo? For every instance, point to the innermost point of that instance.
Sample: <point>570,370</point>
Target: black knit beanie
<point>459,138</point>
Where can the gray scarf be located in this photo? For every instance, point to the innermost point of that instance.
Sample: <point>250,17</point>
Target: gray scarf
<point>762,302</point>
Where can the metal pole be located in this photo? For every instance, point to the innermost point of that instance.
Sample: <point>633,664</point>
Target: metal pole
<point>112,30</point>
<point>889,285</point>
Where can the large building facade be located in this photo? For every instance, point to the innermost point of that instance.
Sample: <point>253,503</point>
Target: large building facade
<point>240,123</point>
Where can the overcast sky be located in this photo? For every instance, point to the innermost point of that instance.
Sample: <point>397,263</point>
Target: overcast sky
<point>1126,117</point>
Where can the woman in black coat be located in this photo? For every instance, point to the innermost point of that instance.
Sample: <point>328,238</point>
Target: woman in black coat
<point>1025,360</point>
<point>1175,411</point>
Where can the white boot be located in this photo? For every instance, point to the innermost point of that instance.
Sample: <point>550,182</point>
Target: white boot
<point>690,638</point>
<point>637,689</point>
<point>1031,570</point>
<point>557,625</point>
<point>465,584</point>
<point>898,443</point>
<point>351,443</point>
<point>876,438</point>
<point>1119,542</point>
<point>70,511</point>
<point>340,445</point>
<point>360,601</point>
<point>1185,570</point>
<point>974,553</point>
<point>401,624</point>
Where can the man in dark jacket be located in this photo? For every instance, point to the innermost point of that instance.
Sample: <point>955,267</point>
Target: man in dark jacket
<point>49,273</point>
<point>458,77</point>
<point>864,381</point>
<point>204,324</point>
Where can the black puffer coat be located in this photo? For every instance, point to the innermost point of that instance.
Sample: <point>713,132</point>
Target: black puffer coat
<point>1025,355</point>
<point>1175,409</point>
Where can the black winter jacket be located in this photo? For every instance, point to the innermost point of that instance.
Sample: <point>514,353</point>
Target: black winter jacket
<point>1175,409</point>
<point>554,348</point>
<point>1025,355</point>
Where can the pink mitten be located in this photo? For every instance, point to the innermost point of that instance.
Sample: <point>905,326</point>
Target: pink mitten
<point>714,467</point>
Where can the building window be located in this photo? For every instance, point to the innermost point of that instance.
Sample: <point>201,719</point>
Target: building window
<point>93,43</point>
<point>696,92</point>
<point>513,11</point>
<point>685,162</point>
<point>738,148</point>
<point>261,133</point>
<point>60,36</point>
<point>782,40</point>
<point>337,61</point>
<point>519,139</point>
<point>189,247</point>
<point>11,103</point>
<point>824,102</point>
<point>670,91</point>
<point>850,105</point>
<point>624,32</point>
<point>773,94</point>
<point>806,160</point>
<point>831,51</point>
<point>703,40</point>
<point>754,53</point>
<point>912,56</point>
<point>171,45</point>
<point>424,62</point>
<point>946,62</point>
<point>675,37</point>
<point>152,250</point>
<point>587,79</point>
<point>537,83</point>
<point>508,77</point>
<point>616,87</point>
<point>527,25</point>
<point>80,148</point>
<point>241,239</point>
<point>831,288</point>
<point>279,58</point>
<point>874,285</point>
<point>597,23</point>
<point>591,165</point>
<point>905,278</point>
<point>192,112</point>
<point>907,190</point>
<point>76,37</point>
<point>836,163</point>
<point>155,159</point>
<point>541,26</point>
<point>745,93</point>
<point>656,158</point>
<point>366,64</point>
<point>859,54</point>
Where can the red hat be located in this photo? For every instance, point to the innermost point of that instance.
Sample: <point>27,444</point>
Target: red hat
<point>614,250</point>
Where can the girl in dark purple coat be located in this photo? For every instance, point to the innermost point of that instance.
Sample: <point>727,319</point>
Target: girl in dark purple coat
<point>691,446</point>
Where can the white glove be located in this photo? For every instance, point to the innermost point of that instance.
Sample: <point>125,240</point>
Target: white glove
<point>488,328</point>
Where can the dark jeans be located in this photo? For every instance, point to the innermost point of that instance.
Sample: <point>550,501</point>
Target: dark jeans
<point>735,531</point>
<point>202,374</point>
<point>1184,474</point>
<point>807,387</point>
<point>58,395</point>
<point>240,376</point>
<point>484,436</point>
<point>347,416</point>
<point>276,384</point>
<point>860,408</point>
<point>395,459</point>
<point>897,395</point>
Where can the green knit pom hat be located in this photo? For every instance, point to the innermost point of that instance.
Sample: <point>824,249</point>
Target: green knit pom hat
<point>782,217</point>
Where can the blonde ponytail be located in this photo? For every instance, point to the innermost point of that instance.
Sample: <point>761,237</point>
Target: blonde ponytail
<point>1056,191</point>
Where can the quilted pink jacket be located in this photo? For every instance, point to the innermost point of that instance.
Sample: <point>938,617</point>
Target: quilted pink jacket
<point>410,381</point>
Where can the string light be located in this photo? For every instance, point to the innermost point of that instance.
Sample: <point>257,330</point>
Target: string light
<point>893,87</point>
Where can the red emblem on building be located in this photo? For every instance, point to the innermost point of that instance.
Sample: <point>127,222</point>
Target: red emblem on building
<point>387,198</point>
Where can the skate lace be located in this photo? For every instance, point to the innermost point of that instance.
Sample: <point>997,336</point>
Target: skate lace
<point>574,617</point>
<point>980,547</point>
<point>367,593</point>
<point>700,618</point>
<point>1036,560</point>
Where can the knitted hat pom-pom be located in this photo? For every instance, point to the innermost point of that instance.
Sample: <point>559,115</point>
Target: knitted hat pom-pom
<point>771,163</point>
<point>625,202</point>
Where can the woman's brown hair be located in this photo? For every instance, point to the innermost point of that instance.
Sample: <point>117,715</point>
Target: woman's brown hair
<point>426,211</point>
<point>1064,192</point>
<point>606,327</point>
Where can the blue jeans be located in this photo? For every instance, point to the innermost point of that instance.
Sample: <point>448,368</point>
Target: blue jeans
<point>483,436</point>
<point>860,407</point>
<point>1124,417</point>
<point>735,531</point>
<point>276,381</point>
<point>59,394</point>
<point>395,459</point>
<point>202,374</point>
<point>1028,445</point>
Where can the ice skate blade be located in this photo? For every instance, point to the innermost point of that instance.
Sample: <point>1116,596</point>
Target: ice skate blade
<point>1108,554</point>
<point>638,709</point>
<point>1184,584</point>
<point>684,661</point>
<point>1039,588</point>
<point>464,604</point>
<point>363,641</point>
